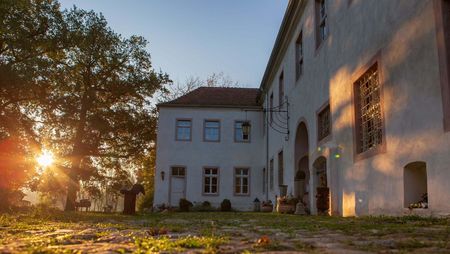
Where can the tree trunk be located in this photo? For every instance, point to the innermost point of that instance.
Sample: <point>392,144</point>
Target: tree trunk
<point>77,152</point>
<point>72,189</point>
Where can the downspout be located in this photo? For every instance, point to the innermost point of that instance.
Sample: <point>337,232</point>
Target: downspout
<point>267,151</point>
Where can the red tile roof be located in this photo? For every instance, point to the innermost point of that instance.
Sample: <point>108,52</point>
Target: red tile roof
<point>217,97</point>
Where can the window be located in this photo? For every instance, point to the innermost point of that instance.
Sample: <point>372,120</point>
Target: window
<point>281,90</point>
<point>183,130</point>
<point>299,56</point>
<point>211,131</point>
<point>369,123</point>
<point>239,134</point>
<point>442,16</point>
<point>270,108</point>
<point>178,171</point>
<point>280,169</point>
<point>324,123</point>
<point>210,181</point>
<point>241,181</point>
<point>271,174</point>
<point>321,22</point>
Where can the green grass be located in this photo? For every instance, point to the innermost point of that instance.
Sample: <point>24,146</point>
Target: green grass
<point>210,231</point>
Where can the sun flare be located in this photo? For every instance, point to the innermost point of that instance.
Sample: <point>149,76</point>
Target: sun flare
<point>45,159</point>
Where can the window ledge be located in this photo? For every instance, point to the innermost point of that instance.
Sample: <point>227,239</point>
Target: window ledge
<point>370,153</point>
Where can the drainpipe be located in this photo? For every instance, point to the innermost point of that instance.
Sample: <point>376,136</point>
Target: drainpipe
<point>267,151</point>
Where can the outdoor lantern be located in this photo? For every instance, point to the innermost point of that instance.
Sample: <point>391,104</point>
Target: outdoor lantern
<point>256,205</point>
<point>162,175</point>
<point>246,128</point>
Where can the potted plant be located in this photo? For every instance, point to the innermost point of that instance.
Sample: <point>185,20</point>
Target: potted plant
<point>267,206</point>
<point>286,204</point>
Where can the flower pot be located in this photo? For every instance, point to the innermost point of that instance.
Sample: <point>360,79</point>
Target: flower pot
<point>285,208</point>
<point>266,208</point>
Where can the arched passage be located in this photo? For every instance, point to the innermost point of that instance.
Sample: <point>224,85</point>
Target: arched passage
<point>302,175</point>
<point>321,187</point>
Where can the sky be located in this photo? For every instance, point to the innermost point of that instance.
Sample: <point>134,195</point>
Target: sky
<point>195,38</point>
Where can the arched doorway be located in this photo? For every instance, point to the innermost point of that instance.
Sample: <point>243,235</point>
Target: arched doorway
<point>302,175</point>
<point>321,187</point>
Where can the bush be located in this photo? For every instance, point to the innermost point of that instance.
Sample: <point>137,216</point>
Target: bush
<point>185,205</point>
<point>205,206</point>
<point>225,206</point>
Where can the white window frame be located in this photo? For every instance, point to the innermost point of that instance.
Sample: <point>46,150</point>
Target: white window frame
<point>210,176</point>
<point>177,126</point>
<point>241,176</point>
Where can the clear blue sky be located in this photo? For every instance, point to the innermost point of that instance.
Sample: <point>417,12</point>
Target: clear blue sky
<point>198,37</point>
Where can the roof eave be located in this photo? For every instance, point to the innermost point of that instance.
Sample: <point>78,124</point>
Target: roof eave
<point>279,42</point>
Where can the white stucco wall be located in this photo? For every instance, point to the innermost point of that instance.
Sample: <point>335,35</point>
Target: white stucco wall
<point>196,154</point>
<point>403,32</point>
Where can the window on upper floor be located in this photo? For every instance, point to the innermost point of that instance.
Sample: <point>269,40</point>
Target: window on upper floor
<point>321,21</point>
<point>369,115</point>
<point>183,130</point>
<point>211,132</point>
<point>299,56</point>
<point>210,181</point>
<point>324,123</point>
<point>241,181</point>
<point>281,90</point>
<point>239,135</point>
<point>280,169</point>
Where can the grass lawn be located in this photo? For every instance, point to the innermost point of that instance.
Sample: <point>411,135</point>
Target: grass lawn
<point>58,232</point>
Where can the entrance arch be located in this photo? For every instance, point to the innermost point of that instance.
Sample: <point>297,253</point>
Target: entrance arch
<point>302,175</point>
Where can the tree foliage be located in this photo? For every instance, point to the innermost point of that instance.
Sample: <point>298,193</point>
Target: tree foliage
<point>99,106</point>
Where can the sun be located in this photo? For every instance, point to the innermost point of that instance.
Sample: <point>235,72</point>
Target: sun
<point>45,159</point>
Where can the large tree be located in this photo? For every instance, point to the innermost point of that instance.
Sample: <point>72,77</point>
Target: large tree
<point>99,107</point>
<point>31,33</point>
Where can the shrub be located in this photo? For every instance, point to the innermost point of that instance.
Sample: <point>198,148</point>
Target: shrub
<point>205,206</point>
<point>185,205</point>
<point>225,206</point>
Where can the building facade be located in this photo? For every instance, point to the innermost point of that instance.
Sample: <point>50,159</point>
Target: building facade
<point>355,101</point>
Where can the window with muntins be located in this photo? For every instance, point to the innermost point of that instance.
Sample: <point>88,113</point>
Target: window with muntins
<point>280,168</point>
<point>281,90</point>
<point>241,181</point>
<point>324,123</point>
<point>299,56</point>
<point>212,131</point>
<point>178,171</point>
<point>183,130</point>
<point>239,134</point>
<point>210,181</point>
<point>368,111</point>
<point>321,20</point>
